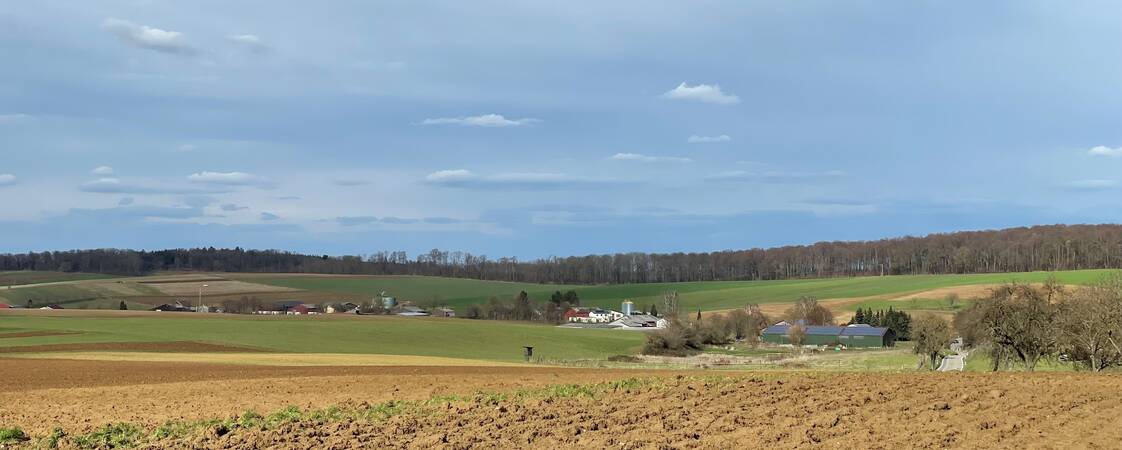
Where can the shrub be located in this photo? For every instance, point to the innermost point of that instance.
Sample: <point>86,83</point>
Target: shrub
<point>12,435</point>
<point>111,436</point>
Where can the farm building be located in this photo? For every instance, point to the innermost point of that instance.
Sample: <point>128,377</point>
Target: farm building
<point>412,311</point>
<point>347,307</point>
<point>576,315</point>
<point>640,322</point>
<point>861,335</point>
<point>304,308</point>
<point>177,307</point>
<point>591,315</point>
<point>858,336</point>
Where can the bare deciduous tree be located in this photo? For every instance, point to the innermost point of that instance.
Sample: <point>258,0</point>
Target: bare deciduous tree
<point>796,335</point>
<point>1090,322</point>
<point>809,312</point>
<point>931,335</point>
<point>1017,321</point>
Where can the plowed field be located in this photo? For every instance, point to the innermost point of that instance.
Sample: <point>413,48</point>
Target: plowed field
<point>849,411</point>
<point>662,410</point>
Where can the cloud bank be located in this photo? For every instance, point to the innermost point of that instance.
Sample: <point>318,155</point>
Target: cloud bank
<point>704,93</point>
<point>486,120</point>
<point>695,139</point>
<point>649,159</point>
<point>147,37</point>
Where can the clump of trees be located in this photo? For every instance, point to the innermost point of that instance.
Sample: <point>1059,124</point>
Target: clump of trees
<point>808,312</point>
<point>1041,248</point>
<point>932,335</point>
<point>243,305</point>
<point>899,322</point>
<point>522,307</point>
<point>684,337</point>
<point>1024,324</point>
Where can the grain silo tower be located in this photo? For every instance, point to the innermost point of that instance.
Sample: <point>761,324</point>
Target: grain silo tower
<point>387,301</point>
<point>628,307</point>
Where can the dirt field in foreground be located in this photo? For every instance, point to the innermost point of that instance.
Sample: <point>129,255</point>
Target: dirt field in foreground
<point>784,411</point>
<point>779,410</point>
<point>39,394</point>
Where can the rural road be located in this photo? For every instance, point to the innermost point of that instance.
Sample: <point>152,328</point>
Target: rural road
<point>956,361</point>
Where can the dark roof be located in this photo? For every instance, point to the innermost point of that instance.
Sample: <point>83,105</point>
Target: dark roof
<point>810,330</point>
<point>864,331</point>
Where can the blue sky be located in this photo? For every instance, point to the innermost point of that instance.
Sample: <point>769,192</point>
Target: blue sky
<point>551,128</point>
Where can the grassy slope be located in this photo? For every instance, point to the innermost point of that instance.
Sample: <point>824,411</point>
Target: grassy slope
<point>721,295</point>
<point>704,295</point>
<point>459,293</point>
<point>91,295</point>
<point>32,277</point>
<point>456,292</point>
<point>456,338</point>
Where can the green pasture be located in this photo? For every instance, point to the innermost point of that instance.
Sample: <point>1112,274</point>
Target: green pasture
<point>724,295</point>
<point>455,338</point>
<point>13,278</point>
<point>459,293</point>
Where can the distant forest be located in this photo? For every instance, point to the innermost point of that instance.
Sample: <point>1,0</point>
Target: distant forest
<point>1047,248</point>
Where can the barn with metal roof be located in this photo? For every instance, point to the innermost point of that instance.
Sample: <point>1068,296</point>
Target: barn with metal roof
<point>860,335</point>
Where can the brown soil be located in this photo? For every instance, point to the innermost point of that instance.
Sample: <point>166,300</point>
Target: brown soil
<point>20,334</point>
<point>163,347</point>
<point>37,395</point>
<point>875,411</point>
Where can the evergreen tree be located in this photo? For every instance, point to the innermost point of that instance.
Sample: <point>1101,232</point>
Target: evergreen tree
<point>654,310</point>
<point>699,314</point>
<point>557,298</point>
<point>572,298</point>
<point>30,304</point>
<point>123,306</point>
<point>859,316</point>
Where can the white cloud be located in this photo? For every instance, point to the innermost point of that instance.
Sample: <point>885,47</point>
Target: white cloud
<point>249,41</point>
<point>147,37</point>
<point>186,148</point>
<point>695,139</point>
<point>13,117</point>
<point>102,170</point>
<point>1092,185</point>
<point>486,120</point>
<point>226,178</point>
<point>1103,150</point>
<point>110,185</point>
<point>774,176</point>
<point>461,178</point>
<point>648,159</point>
<point>268,216</point>
<point>705,93</point>
<point>7,179</point>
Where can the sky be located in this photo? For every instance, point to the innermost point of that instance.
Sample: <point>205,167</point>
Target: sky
<point>534,129</point>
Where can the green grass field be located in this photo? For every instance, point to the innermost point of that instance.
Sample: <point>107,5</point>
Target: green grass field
<point>459,293</point>
<point>455,338</point>
<point>14,278</point>
<point>455,292</point>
